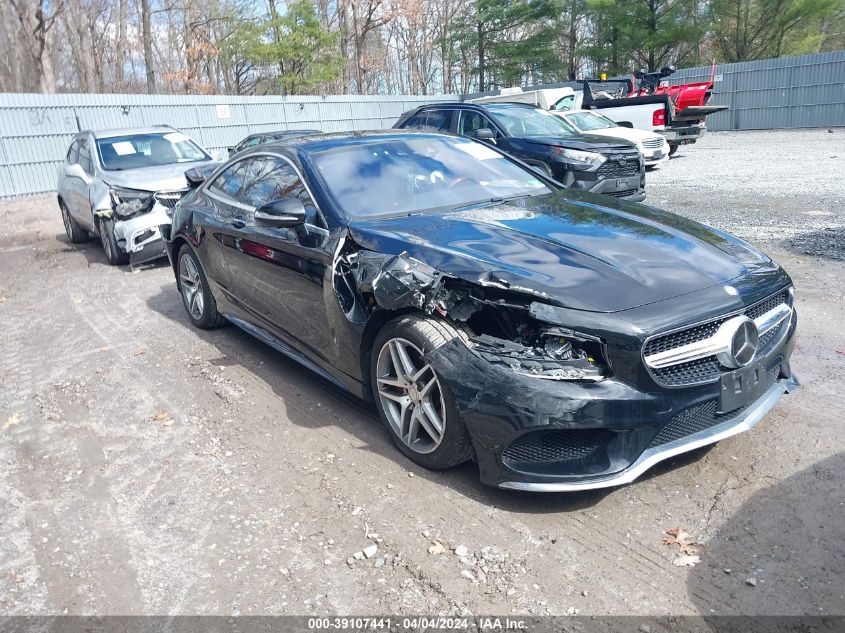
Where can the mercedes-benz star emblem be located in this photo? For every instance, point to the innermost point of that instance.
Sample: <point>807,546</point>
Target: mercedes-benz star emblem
<point>741,342</point>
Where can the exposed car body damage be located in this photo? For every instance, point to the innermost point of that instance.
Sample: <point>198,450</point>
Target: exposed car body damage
<point>555,302</point>
<point>123,185</point>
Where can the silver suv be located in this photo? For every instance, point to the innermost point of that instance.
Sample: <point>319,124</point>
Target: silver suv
<point>122,185</point>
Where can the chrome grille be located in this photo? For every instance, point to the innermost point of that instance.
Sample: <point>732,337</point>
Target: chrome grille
<point>708,369</point>
<point>654,142</point>
<point>617,169</point>
<point>169,199</point>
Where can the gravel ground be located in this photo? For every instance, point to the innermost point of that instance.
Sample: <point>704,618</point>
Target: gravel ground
<point>150,468</point>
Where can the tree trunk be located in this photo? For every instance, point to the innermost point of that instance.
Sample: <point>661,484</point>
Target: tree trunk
<point>147,35</point>
<point>481,53</point>
<point>120,45</point>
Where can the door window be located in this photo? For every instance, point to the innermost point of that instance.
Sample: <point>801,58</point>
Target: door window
<point>73,153</point>
<point>230,181</point>
<point>469,121</point>
<point>85,157</point>
<point>267,178</point>
<point>438,120</point>
<point>414,122</point>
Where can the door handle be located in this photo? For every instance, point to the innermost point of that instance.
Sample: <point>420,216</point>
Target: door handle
<point>238,223</point>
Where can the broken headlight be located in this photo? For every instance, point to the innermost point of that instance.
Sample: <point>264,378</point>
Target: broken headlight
<point>130,202</point>
<point>551,353</point>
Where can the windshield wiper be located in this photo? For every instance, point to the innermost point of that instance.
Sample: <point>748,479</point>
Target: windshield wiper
<point>490,202</point>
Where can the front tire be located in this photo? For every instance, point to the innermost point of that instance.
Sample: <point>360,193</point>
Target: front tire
<point>415,403</point>
<point>75,233</point>
<point>196,294</point>
<point>672,149</point>
<point>114,255</point>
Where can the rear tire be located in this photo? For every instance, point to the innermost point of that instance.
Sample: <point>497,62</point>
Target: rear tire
<point>673,149</point>
<point>115,256</point>
<point>196,294</point>
<point>75,233</point>
<point>415,404</point>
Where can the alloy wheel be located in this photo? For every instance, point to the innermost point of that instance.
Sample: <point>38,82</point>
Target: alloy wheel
<point>191,286</point>
<point>411,396</point>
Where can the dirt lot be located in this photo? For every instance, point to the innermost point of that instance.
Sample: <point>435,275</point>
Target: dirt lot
<point>150,468</point>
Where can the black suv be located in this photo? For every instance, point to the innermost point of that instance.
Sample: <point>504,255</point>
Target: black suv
<point>599,164</point>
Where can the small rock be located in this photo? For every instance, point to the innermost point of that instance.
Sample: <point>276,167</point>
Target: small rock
<point>357,511</point>
<point>727,571</point>
<point>467,574</point>
<point>584,593</point>
<point>350,561</point>
<point>379,563</point>
<point>426,533</point>
<point>370,550</point>
<point>511,591</point>
<point>644,628</point>
<point>410,474</point>
<point>461,551</point>
<point>328,561</point>
<point>751,581</point>
<point>569,611</point>
<point>358,555</point>
<point>436,548</point>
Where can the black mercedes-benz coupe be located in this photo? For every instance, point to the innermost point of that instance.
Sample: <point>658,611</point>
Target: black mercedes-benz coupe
<point>561,339</point>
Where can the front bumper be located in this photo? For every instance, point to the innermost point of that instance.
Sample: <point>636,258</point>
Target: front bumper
<point>594,435</point>
<point>141,236</point>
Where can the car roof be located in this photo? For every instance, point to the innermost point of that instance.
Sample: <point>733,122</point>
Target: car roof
<point>129,131</point>
<point>328,140</point>
<point>476,106</point>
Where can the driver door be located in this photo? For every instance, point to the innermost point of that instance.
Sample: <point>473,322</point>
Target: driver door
<point>278,273</point>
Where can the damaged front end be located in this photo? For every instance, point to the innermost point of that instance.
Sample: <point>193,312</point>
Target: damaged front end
<point>497,321</point>
<point>137,217</point>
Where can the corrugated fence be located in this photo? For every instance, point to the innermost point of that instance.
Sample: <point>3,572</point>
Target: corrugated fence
<point>36,129</point>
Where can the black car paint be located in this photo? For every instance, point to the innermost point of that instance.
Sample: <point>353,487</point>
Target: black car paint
<point>540,151</point>
<point>561,252</point>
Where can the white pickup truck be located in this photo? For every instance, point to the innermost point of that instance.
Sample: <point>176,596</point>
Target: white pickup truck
<point>655,112</point>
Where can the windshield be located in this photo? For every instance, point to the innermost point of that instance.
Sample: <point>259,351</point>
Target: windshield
<point>408,175</point>
<point>531,122</point>
<point>148,150</point>
<point>587,121</point>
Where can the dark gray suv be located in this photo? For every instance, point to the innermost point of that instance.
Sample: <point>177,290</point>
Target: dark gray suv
<point>599,164</point>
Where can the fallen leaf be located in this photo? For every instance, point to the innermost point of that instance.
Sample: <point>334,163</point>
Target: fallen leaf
<point>103,349</point>
<point>680,537</point>
<point>686,561</point>
<point>140,351</point>
<point>163,417</point>
<point>436,548</point>
<point>13,419</point>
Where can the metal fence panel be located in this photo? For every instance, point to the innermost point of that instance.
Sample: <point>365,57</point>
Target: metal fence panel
<point>36,129</point>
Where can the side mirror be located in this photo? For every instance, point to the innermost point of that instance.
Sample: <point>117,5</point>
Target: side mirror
<point>281,213</point>
<point>76,171</point>
<point>483,134</point>
<point>627,124</point>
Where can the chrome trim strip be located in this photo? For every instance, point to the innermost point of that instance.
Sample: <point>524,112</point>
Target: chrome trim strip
<point>717,343</point>
<point>652,456</point>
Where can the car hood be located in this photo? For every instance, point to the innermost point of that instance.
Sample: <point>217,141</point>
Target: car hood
<point>157,178</point>
<point>574,249</point>
<point>589,142</point>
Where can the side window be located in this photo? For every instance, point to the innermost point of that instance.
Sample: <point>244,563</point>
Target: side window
<point>415,121</point>
<point>73,153</point>
<point>254,141</point>
<point>470,121</point>
<point>230,181</point>
<point>438,120</point>
<point>85,157</point>
<point>268,179</point>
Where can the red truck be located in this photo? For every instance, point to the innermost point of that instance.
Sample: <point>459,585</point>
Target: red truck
<point>647,101</point>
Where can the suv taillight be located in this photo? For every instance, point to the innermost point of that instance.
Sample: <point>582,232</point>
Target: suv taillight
<point>659,117</point>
